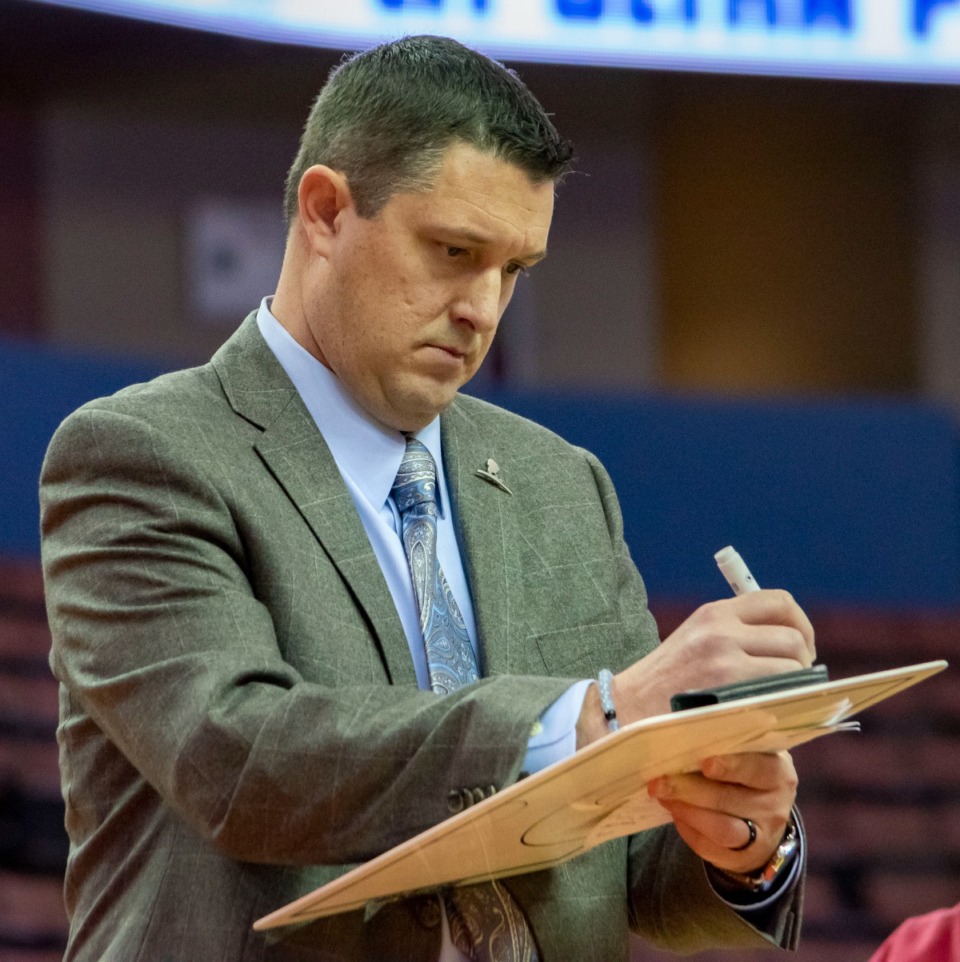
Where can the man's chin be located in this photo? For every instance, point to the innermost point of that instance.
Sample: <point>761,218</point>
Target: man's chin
<point>409,418</point>
<point>414,403</point>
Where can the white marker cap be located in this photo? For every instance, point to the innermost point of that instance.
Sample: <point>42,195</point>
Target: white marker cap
<point>735,570</point>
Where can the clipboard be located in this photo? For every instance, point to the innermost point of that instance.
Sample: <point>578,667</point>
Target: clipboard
<point>596,795</point>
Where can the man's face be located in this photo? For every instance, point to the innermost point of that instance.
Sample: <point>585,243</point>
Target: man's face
<point>418,290</point>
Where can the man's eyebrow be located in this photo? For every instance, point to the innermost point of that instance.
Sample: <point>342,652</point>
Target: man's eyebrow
<point>534,258</point>
<point>481,240</point>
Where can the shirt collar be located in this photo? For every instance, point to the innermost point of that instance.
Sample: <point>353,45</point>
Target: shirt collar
<point>366,452</point>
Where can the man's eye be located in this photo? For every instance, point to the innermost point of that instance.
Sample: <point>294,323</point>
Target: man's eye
<point>516,269</point>
<point>455,251</point>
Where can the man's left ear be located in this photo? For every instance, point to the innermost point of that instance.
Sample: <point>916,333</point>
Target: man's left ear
<point>324,196</point>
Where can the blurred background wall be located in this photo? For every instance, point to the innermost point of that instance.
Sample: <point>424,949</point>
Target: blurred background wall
<point>733,234</point>
<point>750,309</point>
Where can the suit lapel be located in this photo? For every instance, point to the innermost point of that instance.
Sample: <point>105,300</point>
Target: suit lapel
<point>485,527</point>
<point>292,448</point>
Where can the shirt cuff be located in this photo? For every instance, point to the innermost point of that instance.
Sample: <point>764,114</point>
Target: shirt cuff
<point>554,736</point>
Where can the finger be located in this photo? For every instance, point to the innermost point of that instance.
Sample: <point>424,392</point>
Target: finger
<point>728,832</point>
<point>727,630</point>
<point>778,641</point>
<point>763,804</point>
<point>759,771</point>
<point>760,623</point>
<point>724,649</point>
<point>725,840</point>
<point>708,795</point>
<point>776,607</point>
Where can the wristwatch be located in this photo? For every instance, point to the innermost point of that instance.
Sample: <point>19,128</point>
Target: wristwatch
<point>763,878</point>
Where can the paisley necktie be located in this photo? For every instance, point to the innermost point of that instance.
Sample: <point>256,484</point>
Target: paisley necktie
<point>450,656</point>
<point>486,923</point>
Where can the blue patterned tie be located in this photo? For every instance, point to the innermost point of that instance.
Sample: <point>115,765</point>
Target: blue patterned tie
<point>450,656</point>
<point>486,923</point>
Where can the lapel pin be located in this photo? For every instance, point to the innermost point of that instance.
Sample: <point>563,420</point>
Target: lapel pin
<point>491,472</point>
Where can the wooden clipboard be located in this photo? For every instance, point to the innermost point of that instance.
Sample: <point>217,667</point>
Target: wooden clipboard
<point>596,795</point>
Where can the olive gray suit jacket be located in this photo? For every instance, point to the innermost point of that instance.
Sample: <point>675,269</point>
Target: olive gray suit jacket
<point>240,720</point>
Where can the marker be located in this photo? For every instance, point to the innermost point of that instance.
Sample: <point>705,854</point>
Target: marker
<point>735,570</point>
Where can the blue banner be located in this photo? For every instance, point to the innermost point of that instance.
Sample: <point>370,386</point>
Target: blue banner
<point>915,40</point>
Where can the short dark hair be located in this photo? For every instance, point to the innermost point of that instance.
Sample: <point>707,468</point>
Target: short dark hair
<point>386,117</point>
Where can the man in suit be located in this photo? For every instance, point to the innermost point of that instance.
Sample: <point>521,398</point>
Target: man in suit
<point>245,664</point>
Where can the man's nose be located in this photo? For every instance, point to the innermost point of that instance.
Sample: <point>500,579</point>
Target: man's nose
<point>479,304</point>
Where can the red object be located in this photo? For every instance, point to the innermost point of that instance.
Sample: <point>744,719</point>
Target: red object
<point>925,938</point>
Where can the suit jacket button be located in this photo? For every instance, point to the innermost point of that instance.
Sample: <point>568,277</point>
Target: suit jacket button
<point>455,802</point>
<point>427,911</point>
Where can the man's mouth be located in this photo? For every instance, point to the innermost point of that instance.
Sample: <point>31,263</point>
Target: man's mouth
<point>455,352</point>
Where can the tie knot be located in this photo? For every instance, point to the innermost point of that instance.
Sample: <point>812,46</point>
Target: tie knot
<point>416,481</point>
